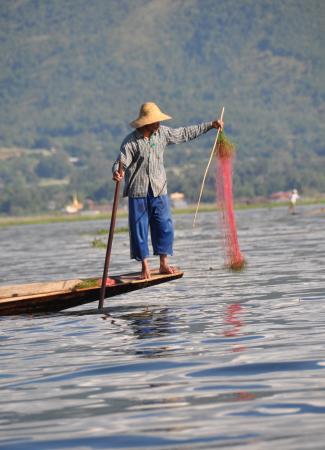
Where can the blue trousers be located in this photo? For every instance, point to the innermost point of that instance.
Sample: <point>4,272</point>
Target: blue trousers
<point>153,212</point>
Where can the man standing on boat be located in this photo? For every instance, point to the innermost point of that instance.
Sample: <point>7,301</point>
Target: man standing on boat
<point>141,158</point>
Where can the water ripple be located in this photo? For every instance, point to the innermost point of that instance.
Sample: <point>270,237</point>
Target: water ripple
<point>214,360</point>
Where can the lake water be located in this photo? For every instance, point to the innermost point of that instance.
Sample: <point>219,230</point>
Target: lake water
<point>213,360</point>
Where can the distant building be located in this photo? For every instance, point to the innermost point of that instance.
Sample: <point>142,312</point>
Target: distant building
<point>74,159</point>
<point>280,196</point>
<point>75,206</point>
<point>177,200</point>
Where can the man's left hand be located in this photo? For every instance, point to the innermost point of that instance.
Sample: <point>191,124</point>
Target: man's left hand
<point>218,124</point>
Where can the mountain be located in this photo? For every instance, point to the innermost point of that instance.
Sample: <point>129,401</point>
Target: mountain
<point>74,74</point>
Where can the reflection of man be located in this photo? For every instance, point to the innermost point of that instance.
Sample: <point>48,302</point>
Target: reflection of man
<point>293,200</point>
<point>149,324</point>
<point>141,156</point>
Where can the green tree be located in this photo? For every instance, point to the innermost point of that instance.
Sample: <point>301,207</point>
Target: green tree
<point>54,166</point>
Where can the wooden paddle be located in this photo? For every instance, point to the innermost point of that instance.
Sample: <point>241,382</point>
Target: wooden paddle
<point>110,240</point>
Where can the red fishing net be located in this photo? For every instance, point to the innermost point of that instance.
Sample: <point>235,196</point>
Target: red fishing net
<point>225,154</point>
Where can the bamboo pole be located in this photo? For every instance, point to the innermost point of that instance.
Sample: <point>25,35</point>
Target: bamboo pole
<point>110,240</point>
<point>207,168</point>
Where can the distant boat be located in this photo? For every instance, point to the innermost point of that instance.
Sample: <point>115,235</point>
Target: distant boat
<point>54,296</point>
<point>75,206</point>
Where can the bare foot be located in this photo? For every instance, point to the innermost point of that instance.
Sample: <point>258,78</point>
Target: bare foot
<point>166,269</point>
<point>145,273</point>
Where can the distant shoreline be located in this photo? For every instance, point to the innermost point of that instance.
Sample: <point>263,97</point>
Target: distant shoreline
<point>6,221</point>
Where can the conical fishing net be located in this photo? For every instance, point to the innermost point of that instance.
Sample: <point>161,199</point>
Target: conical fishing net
<point>225,154</point>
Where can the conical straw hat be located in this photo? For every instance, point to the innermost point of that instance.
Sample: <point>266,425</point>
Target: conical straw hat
<point>149,113</point>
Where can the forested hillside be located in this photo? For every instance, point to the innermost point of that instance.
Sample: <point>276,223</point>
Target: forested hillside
<point>74,73</point>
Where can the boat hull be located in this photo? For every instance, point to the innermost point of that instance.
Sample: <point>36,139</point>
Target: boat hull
<point>60,295</point>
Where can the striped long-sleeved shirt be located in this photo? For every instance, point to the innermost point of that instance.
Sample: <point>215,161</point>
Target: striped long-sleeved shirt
<point>143,159</point>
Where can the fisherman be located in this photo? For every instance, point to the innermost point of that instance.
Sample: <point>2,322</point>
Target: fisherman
<point>293,200</point>
<point>141,157</point>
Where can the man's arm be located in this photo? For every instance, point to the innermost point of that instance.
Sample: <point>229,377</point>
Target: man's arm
<point>184,134</point>
<point>125,157</point>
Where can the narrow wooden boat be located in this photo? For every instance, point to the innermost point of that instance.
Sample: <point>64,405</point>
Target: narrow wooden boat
<point>58,295</point>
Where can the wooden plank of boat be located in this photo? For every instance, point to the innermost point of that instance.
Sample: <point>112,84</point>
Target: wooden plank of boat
<point>59,295</point>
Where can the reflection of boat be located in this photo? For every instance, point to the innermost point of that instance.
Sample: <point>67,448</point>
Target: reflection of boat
<point>75,206</point>
<point>58,295</point>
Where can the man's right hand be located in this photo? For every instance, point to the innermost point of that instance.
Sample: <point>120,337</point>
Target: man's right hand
<point>117,176</point>
<point>218,124</point>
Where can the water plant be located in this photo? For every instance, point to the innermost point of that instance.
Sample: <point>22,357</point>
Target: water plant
<point>88,283</point>
<point>225,148</point>
<point>118,230</point>
<point>98,243</point>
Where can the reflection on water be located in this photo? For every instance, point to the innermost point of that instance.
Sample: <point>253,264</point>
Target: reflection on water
<point>234,320</point>
<point>145,323</point>
<point>233,314</point>
<point>213,360</point>
<point>149,323</point>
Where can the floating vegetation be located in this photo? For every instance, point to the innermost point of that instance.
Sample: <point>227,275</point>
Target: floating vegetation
<point>118,230</point>
<point>89,283</point>
<point>98,243</point>
<point>102,231</point>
